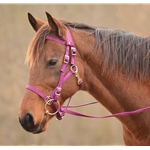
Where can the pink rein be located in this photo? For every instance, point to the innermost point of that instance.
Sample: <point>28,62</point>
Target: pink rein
<point>53,98</point>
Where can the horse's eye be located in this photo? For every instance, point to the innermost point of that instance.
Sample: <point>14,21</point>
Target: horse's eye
<point>52,62</point>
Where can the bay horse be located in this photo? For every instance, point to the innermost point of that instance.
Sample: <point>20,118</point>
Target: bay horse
<point>111,65</point>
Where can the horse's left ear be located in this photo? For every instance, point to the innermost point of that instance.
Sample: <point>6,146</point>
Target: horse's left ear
<point>56,26</point>
<point>35,23</point>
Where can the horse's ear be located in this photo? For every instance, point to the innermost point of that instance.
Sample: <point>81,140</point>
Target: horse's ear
<point>56,26</point>
<point>35,23</point>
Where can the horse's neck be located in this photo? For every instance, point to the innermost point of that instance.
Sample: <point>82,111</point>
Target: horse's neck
<point>116,93</point>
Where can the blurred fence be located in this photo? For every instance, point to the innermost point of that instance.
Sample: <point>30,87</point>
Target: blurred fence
<point>15,35</point>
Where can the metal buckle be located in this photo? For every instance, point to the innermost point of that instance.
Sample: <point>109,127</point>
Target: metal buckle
<point>73,49</point>
<point>66,59</point>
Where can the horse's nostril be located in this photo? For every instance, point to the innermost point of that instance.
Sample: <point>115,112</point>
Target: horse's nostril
<point>27,122</point>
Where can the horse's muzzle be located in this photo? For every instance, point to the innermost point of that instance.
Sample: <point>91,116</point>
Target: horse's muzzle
<point>27,122</point>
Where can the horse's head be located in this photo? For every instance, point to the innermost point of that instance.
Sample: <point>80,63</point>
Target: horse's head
<point>53,62</point>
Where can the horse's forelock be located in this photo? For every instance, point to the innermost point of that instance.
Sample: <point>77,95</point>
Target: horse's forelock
<point>36,46</point>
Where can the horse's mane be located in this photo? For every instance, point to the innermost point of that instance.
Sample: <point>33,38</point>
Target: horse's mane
<point>121,50</point>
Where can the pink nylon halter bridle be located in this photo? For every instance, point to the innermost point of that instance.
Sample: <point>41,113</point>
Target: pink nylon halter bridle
<point>53,98</point>
<point>50,100</point>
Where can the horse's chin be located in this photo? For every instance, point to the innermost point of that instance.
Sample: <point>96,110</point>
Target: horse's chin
<point>40,129</point>
<point>42,126</point>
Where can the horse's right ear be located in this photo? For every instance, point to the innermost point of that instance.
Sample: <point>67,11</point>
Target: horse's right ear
<point>35,23</point>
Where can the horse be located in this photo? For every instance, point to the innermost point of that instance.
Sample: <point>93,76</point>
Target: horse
<point>111,65</point>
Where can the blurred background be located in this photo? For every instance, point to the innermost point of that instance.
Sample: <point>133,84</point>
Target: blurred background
<point>15,35</point>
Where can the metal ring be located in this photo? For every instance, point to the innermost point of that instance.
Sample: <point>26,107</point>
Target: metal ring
<point>76,68</point>
<point>47,112</point>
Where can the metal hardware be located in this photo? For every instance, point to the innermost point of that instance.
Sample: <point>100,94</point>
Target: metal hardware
<point>74,69</point>
<point>66,59</point>
<point>48,102</point>
<point>78,78</point>
<point>73,50</point>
